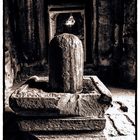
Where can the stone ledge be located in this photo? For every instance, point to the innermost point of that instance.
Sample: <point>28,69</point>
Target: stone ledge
<point>62,124</point>
<point>99,135</point>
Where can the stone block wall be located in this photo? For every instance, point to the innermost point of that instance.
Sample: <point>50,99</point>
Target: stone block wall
<point>116,41</point>
<point>128,64</point>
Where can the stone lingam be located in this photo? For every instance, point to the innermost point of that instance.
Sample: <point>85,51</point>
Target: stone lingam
<point>66,100</point>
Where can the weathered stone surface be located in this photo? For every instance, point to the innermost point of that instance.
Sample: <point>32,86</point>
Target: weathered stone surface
<point>88,85</point>
<point>27,100</point>
<point>104,33</point>
<point>66,63</point>
<point>62,124</point>
<point>8,51</point>
<point>128,63</point>
<point>103,7</point>
<point>106,96</point>
<point>109,129</point>
<point>119,124</point>
<point>122,125</point>
<point>9,73</point>
<point>78,136</point>
<point>126,96</point>
<point>58,104</point>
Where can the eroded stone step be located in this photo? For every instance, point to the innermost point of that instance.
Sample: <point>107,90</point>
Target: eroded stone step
<point>61,124</point>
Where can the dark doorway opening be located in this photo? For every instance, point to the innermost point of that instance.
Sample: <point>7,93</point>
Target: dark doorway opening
<point>58,17</point>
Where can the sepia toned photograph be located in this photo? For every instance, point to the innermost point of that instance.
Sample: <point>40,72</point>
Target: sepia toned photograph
<point>70,70</point>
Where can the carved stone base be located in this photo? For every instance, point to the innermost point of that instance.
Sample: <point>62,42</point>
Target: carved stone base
<point>82,136</point>
<point>61,124</point>
<point>39,109</point>
<point>32,100</point>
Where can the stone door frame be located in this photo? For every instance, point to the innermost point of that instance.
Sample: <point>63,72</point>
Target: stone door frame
<point>91,34</point>
<point>54,11</point>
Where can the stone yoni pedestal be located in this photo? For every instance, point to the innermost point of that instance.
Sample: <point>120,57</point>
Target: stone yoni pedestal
<point>66,63</point>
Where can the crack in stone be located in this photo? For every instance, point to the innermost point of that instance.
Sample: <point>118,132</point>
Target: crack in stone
<point>133,124</point>
<point>112,121</point>
<point>110,130</point>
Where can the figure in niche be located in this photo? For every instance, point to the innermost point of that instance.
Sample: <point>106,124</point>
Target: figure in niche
<point>70,23</point>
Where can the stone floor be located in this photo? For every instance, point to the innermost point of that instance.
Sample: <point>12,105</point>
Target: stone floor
<point>120,117</point>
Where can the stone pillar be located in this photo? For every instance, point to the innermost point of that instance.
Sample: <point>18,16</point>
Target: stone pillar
<point>128,63</point>
<point>41,29</point>
<point>10,61</point>
<point>104,33</point>
<point>66,63</point>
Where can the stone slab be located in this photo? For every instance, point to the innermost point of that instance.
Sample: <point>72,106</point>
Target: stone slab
<point>123,126</point>
<point>106,96</point>
<point>91,102</point>
<point>61,124</point>
<point>109,129</point>
<point>99,135</point>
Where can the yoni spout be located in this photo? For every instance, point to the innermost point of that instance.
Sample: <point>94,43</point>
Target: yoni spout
<point>66,62</point>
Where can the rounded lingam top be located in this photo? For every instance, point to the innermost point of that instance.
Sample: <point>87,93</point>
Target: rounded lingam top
<point>66,63</point>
